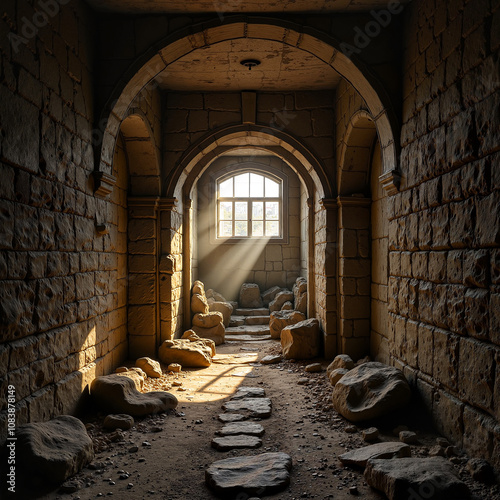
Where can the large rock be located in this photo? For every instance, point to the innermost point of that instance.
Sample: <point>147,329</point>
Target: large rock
<point>370,390</point>
<point>225,308</point>
<point>186,353</point>
<point>279,319</point>
<point>151,367</point>
<point>280,299</point>
<point>199,288</point>
<point>360,456</point>
<point>250,295</point>
<point>116,394</point>
<point>208,320</point>
<point>269,295</point>
<point>217,333</point>
<point>193,337</point>
<point>257,475</point>
<point>55,450</point>
<point>301,341</point>
<point>199,304</point>
<point>341,361</point>
<point>211,294</point>
<point>416,478</point>
<point>300,295</point>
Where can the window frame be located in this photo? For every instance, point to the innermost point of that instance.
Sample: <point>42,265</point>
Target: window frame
<point>282,199</point>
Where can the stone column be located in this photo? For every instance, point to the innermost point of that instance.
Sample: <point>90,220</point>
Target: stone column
<point>143,313</point>
<point>354,276</point>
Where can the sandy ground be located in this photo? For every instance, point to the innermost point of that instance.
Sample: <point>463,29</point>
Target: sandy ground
<point>174,449</point>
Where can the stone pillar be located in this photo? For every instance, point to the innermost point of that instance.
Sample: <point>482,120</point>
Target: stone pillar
<point>143,313</point>
<point>354,276</point>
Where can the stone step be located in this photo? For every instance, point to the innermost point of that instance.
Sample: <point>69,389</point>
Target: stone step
<point>237,321</point>
<point>257,320</point>
<point>248,330</point>
<point>260,311</point>
<point>247,338</point>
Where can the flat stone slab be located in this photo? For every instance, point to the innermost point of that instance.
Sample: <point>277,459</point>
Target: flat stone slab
<point>247,338</point>
<point>236,428</point>
<point>236,321</point>
<point>257,320</point>
<point>361,456</point>
<point>256,311</point>
<point>236,442</point>
<point>433,477</point>
<point>249,392</point>
<point>257,475</point>
<point>254,407</point>
<point>248,330</point>
<point>232,417</point>
<point>270,360</point>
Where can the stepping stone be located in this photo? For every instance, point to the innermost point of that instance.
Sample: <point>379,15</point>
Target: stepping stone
<point>361,456</point>
<point>232,417</point>
<point>247,338</point>
<point>257,475</point>
<point>257,311</point>
<point>238,442</point>
<point>247,428</point>
<point>248,330</point>
<point>270,360</point>
<point>255,407</point>
<point>249,392</point>
<point>433,477</point>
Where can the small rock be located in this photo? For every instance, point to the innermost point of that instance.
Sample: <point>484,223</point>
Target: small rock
<point>120,421</point>
<point>133,449</point>
<point>408,437</point>
<point>353,490</point>
<point>146,443</point>
<point>335,375</point>
<point>351,429</point>
<point>303,381</point>
<point>151,367</point>
<point>198,422</point>
<point>386,450</point>
<point>371,434</point>
<point>176,383</point>
<point>398,429</point>
<point>341,361</point>
<point>480,470</point>
<point>116,436</point>
<point>287,306</point>
<point>442,442</point>
<point>314,368</point>
<point>437,451</point>
<point>174,367</point>
<point>70,486</point>
<point>452,451</point>
<point>269,360</point>
<point>121,369</point>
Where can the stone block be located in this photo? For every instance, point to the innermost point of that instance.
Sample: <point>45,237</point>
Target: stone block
<point>454,266</point>
<point>436,270</point>
<point>425,348</point>
<point>142,320</point>
<point>440,227</point>
<point>141,289</point>
<point>447,416</point>
<point>477,313</point>
<point>494,312</point>
<point>477,433</point>
<point>461,222</point>
<point>456,308</point>
<point>487,227</point>
<point>446,347</point>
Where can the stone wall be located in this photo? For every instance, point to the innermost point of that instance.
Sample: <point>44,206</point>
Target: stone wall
<point>444,228</point>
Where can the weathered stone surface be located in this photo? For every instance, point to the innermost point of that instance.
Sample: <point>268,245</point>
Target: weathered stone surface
<point>279,319</point>
<point>369,391</point>
<point>54,450</point>
<point>301,341</point>
<point>193,337</point>
<point>216,296</point>
<point>151,367</point>
<point>341,361</point>
<point>335,375</point>
<point>408,437</point>
<point>369,435</point>
<point>313,368</point>
<point>398,478</point>
<point>117,394</point>
<point>232,417</point>
<point>300,295</point>
<point>120,421</point>
<point>135,376</point>
<point>209,320</point>
<point>238,442</point>
<point>269,295</point>
<point>480,470</point>
<point>248,428</point>
<point>198,288</point>
<point>271,359</point>
<point>199,304</point>
<point>287,306</point>
<point>254,407</point>
<point>225,308</point>
<point>186,353</point>
<point>250,295</point>
<point>361,456</point>
<point>260,475</point>
<point>217,333</point>
<point>249,392</point>
<point>174,367</point>
<point>301,303</point>
<point>280,299</point>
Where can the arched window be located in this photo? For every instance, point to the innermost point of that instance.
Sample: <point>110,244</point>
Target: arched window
<point>249,205</point>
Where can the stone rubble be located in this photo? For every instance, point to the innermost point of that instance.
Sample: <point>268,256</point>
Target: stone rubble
<point>150,367</point>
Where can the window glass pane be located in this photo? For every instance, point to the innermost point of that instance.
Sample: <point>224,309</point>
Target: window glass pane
<point>272,228</point>
<point>226,189</point>
<point>257,210</point>
<point>256,186</point>
<point>241,228</point>
<point>226,210</point>
<point>225,228</point>
<point>272,210</point>
<point>240,210</point>
<point>272,189</point>
<point>241,185</point>
<point>257,228</point>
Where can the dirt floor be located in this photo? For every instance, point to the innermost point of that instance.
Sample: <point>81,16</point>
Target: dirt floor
<point>165,456</point>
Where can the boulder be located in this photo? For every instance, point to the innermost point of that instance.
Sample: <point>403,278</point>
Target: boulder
<point>279,319</point>
<point>250,296</point>
<point>133,375</point>
<point>198,288</point>
<point>225,308</point>
<point>280,299</point>
<point>243,477</point>
<point>120,421</point>
<point>360,456</point>
<point>217,333</point>
<point>199,304</point>
<point>151,367</point>
<point>269,295</point>
<point>216,296</point>
<point>208,320</point>
<point>287,306</point>
<point>369,391</point>
<point>193,337</point>
<point>335,375</point>
<point>185,352</point>
<point>407,478</point>
<point>55,450</point>
<point>117,394</point>
<point>341,361</point>
<point>301,341</point>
